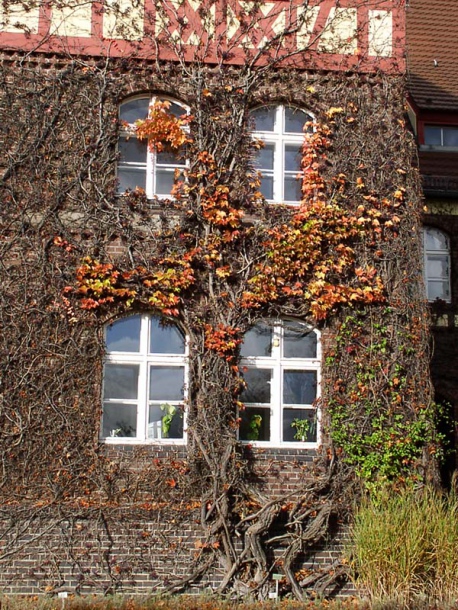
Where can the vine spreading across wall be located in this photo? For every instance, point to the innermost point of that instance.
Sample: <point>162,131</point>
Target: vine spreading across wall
<point>214,259</point>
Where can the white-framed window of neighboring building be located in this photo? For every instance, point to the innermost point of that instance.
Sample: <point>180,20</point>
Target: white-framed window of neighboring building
<point>281,364</point>
<point>436,246</point>
<point>281,128</point>
<point>138,166</point>
<point>441,136</point>
<point>144,381</point>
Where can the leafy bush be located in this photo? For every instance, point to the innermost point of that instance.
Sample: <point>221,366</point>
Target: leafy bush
<point>404,548</point>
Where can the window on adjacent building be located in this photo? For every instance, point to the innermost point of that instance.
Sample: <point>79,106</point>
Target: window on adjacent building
<point>281,363</point>
<point>144,380</point>
<point>138,166</point>
<point>281,128</point>
<point>441,136</point>
<point>436,264</point>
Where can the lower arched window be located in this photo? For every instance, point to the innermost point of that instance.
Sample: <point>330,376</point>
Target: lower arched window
<point>144,380</point>
<point>281,364</point>
<point>436,264</point>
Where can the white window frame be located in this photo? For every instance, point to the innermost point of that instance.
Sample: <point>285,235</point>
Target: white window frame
<point>151,164</point>
<point>278,363</point>
<point>144,359</point>
<point>279,138</point>
<point>438,254</point>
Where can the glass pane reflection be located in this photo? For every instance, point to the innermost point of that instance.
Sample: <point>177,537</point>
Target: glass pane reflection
<point>299,341</point>
<point>257,341</point>
<point>119,420</point>
<point>258,386</point>
<point>120,381</point>
<point>124,335</point>
<point>165,339</point>
<point>299,387</point>
<point>166,383</point>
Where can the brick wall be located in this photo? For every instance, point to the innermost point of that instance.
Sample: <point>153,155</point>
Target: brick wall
<point>133,550</point>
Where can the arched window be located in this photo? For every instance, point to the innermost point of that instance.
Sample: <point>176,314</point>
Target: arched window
<point>281,363</point>
<point>138,167</point>
<point>281,128</point>
<point>144,380</point>
<point>436,264</point>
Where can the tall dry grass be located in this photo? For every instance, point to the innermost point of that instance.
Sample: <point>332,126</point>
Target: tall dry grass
<point>404,549</point>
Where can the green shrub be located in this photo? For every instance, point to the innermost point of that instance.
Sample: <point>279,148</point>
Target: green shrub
<point>404,548</point>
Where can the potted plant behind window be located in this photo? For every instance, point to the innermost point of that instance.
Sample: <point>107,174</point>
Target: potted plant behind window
<point>302,428</point>
<point>167,418</point>
<point>255,427</point>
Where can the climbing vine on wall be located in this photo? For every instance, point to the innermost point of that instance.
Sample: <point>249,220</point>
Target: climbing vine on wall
<point>213,259</point>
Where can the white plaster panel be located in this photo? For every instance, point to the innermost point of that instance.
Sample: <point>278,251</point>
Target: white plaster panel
<point>380,33</point>
<point>306,19</point>
<point>124,19</point>
<point>72,19</point>
<point>16,19</point>
<point>340,32</point>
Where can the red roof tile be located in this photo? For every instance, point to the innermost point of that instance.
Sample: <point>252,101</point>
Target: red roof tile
<point>432,53</point>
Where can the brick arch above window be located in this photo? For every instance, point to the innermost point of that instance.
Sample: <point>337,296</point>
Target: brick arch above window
<point>139,167</point>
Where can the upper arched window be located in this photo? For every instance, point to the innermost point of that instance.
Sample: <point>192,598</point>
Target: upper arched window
<point>281,363</point>
<point>144,380</point>
<point>436,264</point>
<point>281,128</point>
<point>139,167</point>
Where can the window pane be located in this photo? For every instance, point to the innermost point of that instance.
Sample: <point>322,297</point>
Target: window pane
<point>134,110</point>
<point>265,157</point>
<point>437,267</point>
<point>166,383</point>
<point>294,120</point>
<point>254,424</point>
<point>292,188</point>
<point>158,427</point>
<point>176,110</point>
<point>167,158</point>
<point>435,240</point>
<point>165,339</point>
<point>433,136</point>
<point>132,150</point>
<point>120,381</point>
<point>119,420</point>
<point>257,341</point>
<point>267,187</point>
<point>264,118</point>
<point>131,178</point>
<point>258,386</point>
<point>165,180</point>
<point>438,290</point>
<point>124,335</point>
<point>299,387</point>
<point>299,425</point>
<point>293,158</point>
<point>299,341</point>
<point>450,136</point>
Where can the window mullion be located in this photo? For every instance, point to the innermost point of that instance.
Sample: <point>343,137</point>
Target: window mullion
<point>143,381</point>
<point>276,386</point>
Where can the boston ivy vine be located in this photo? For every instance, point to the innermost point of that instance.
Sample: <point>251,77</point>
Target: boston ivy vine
<point>213,259</point>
